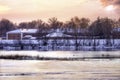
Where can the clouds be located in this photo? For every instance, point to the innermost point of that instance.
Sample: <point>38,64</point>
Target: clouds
<point>62,9</point>
<point>39,6</point>
<point>111,2</point>
<point>115,3</point>
<point>35,7</point>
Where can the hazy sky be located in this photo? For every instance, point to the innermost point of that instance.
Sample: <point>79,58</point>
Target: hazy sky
<point>27,10</point>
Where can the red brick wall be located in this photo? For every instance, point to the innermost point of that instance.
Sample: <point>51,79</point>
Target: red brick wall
<point>14,36</point>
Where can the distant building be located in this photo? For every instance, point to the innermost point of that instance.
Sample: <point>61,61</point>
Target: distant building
<point>20,34</point>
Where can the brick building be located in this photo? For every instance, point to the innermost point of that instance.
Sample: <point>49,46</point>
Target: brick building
<point>20,34</point>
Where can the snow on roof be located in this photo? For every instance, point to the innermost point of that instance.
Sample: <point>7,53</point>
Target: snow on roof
<point>23,31</point>
<point>28,36</point>
<point>33,38</point>
<point>57,33</point>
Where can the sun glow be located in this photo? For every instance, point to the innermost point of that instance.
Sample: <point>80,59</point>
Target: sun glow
<point>27,10</point>
<point>4,9</point>
<point>110,8</point>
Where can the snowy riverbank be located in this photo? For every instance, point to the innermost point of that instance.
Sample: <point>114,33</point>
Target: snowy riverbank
<point>62,45</point>
<point>58,55</point>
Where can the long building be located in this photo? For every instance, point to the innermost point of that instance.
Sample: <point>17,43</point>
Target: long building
<point>20,34</point>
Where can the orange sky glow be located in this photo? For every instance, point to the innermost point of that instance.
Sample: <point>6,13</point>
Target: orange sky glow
<point>27,10</point>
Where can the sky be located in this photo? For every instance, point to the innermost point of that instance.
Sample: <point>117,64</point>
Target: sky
<point>28,10</point>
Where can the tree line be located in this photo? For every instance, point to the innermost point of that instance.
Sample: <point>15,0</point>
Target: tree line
<point>101,27</point>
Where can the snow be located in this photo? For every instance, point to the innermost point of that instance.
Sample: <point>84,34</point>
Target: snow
<point>51,44</point>
<point>33,38</point>
<point>57,33</point>
<point>60,70</point>
<point>30,41</point>
<point>15,31</point>
<point>23,31</point>
<point>28,36</point>
<point>8,41</point>
<point>60,54</point>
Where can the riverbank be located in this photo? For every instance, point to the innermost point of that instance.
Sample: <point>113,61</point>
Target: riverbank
<point>58,55</point>
<point>18,57</point>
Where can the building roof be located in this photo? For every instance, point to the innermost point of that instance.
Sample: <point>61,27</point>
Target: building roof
<point>23,31</point>
<point>57,33</point>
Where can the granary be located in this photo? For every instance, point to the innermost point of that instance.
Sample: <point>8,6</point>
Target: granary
<point>20,34</point>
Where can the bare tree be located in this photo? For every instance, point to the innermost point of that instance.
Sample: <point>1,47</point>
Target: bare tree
<point>102,27</point>
<point>119,22</point>
<point>32,24</point>
<point>54,23</point>
<point>5,26</point>
<point>41,26</point>
<point>75,24</point>
<point>23,25</point>
<point>84,22</point>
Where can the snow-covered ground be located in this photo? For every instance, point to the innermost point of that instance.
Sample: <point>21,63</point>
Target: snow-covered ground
<point>61,44</point>
<point>61,54</point>
<point>59,70</point>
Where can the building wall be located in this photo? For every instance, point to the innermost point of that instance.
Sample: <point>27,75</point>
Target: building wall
<point>14,36</point>
<point>18,36</point>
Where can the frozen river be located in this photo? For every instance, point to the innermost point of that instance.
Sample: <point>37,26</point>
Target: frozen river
<point>60,70</point>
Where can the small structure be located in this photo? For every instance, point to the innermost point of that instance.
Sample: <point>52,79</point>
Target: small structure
<point>20,34</point>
